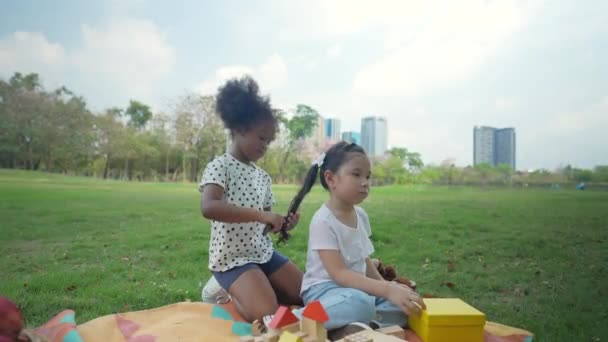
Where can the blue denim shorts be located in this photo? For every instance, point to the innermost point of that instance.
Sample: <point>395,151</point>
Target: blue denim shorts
<point>347,305</point>
<point>226,278</point>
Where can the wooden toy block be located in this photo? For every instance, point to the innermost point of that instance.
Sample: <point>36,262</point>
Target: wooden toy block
<point>287,336</point>
<point>358,337</point>
<point>282,318</point>
<point>448,319</point>
<point>313,318</point>
<point>393,330</point>
<point>271,337</point>
<point>376,337</point>
<point>309,338</point>
<point>313,328</point>
<point>300,334</point>
<point>316,312</point>
<point>293,327</point>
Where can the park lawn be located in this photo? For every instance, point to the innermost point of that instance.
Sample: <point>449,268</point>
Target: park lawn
<point>532,258</point>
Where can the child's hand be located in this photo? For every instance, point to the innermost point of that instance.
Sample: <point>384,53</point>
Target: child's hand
<point>292,220</point>
<point>272,219</point>
<point>405,298</point>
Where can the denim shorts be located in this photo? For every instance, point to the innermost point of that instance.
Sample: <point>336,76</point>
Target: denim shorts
<point>347,305</point>
<point>226,278</point>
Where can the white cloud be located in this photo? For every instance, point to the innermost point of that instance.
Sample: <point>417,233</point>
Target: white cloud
<point>503,103</point>
<point>342,17</point>
<point>334,52</point>
<point>130,54</point>
<point>270,75</point>
<point>311,64</point>
<point>427,44</point>
<point>593,117</point>
<point>453,41</point>
<point>27,52</point>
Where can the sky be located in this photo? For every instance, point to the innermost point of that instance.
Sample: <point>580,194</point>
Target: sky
<point>433,69</point>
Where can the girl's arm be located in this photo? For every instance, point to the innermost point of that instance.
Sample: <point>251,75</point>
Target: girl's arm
<point>371,270</point>
<point>408,300</point>
<point>213,207</point>
<point>343,276</point>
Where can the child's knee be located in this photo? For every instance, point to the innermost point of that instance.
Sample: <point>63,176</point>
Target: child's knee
<point>350,306</point>
<point>362,305</point>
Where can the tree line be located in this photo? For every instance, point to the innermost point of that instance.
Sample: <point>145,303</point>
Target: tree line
<point>55,131</point>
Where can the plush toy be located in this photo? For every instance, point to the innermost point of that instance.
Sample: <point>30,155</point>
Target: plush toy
<point>11,320</point>
<point>389,273</point>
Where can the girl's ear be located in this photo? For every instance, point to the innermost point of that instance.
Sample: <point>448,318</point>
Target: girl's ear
<point>329,179</point>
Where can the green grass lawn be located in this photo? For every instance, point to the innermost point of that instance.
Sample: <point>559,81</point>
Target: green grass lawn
<point>536,259</point>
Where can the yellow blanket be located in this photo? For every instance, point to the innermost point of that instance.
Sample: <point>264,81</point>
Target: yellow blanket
<point>191,322</point>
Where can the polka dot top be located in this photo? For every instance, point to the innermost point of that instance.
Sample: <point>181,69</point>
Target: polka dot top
<point>245,185</point>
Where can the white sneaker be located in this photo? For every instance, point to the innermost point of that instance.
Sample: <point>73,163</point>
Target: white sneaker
<point>214,293</point>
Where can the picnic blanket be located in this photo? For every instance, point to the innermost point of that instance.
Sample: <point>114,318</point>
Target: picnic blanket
<point>189,321</point>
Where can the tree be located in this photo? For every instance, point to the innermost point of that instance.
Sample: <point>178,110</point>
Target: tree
<point>506,172</point>
<point>29,82</point>
<point>272,160</point>
<point>411,160</point>
<point>584,175</point>
<point>20,113</point>
<point>394,170</point>
<point>600,174</point>
<point>303,123</point>
<point>110,134</point>
<point>398,152</point>
<point>69,137</point>
<point>198,131</point>
<point>431,175</point>
<point>138,113</point>
<point>485,172</point>
<point>414,161</point>
<point>162,139</point>
<point>378,174</point>
<point>300,126</point>
<point>49,130</point>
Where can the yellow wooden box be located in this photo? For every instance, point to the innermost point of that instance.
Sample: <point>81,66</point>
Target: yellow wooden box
<point>448,320</point>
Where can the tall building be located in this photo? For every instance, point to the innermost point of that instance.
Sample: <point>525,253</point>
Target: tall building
<point>494,146</point>
<point>318,134</point>
<point>311,147</point>
<point>352,137</point>
<point>504,147</point>
<point>332,129</point>
<point>374,135</point>
<point>483,145</point>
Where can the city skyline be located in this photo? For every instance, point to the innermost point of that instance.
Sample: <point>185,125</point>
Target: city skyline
<point>372,137</point>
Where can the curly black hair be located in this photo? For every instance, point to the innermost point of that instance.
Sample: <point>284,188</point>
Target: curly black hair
<point>240,106</point>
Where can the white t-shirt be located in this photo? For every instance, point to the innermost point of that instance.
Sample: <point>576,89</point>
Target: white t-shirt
<point>327,232</point>
<point>245,185</point>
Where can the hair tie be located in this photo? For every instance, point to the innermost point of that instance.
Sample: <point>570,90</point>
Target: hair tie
<point>319,161</point>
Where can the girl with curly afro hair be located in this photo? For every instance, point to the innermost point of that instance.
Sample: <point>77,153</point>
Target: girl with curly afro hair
<point>237,198</point>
